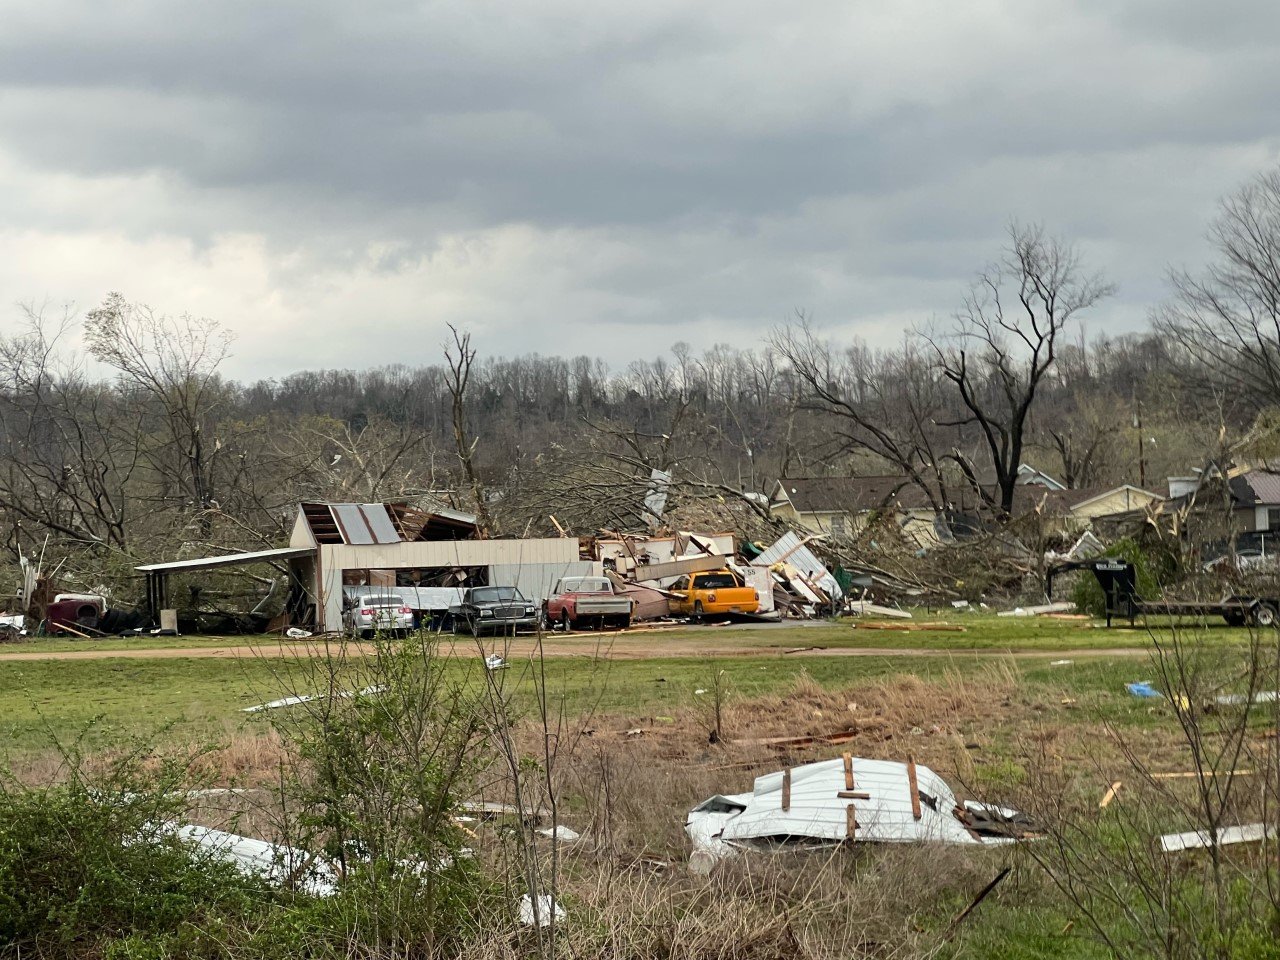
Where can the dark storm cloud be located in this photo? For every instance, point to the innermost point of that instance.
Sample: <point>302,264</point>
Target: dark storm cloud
<point>664,165</point>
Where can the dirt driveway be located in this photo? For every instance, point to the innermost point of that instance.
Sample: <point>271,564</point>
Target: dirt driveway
<point>629,646</point>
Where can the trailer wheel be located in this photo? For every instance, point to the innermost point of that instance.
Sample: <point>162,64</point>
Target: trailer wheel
<point>1264,615</point>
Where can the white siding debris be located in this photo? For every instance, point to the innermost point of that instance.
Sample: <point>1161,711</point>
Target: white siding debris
<point>1197,839</point>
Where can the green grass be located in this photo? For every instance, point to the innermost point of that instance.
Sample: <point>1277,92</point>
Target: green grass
<point>198,697</point>
<point>118,699</point>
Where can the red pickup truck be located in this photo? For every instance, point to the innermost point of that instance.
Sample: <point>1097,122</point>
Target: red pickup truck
<point>582,601</point>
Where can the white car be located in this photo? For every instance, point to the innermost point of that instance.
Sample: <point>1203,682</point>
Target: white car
<point>372,613</point>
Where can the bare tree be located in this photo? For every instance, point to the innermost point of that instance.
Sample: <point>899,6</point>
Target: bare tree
<point>460,357</point>
<point>889,410</point>
<point>1228,317</point>
<point>67,457</point>
<point>172,363</point>
<point>1004,343</point>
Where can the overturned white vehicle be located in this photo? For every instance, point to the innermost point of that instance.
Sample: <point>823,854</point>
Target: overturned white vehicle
<point>847,799</point>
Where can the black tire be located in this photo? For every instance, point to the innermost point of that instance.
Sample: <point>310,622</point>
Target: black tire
<point>697,610</point>
<point>474,626</point>
<point>1264,615</point>
<point>1234,619</point>
<point>565,621</point>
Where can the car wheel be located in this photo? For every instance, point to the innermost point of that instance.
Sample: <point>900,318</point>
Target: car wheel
<point>475,627</point>
<point>1264,615</point>
<point>697,610</point>
<point>565,621</point>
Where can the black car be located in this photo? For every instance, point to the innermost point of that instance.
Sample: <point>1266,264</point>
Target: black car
<point>494,610</point>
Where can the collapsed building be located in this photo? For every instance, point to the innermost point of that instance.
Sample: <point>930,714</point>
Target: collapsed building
<point>427,556</point>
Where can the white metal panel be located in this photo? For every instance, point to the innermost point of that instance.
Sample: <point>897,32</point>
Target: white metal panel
<point>762,579</point>
<point>276,863</point>
<point>448,553</point>
<point>537,580</point>
<point>816,811</point>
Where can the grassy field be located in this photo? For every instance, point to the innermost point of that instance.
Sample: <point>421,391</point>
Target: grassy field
<point>995,709</point>
<point>173,696</point>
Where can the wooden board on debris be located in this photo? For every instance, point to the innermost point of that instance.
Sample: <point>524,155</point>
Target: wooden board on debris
<point>678,568</point>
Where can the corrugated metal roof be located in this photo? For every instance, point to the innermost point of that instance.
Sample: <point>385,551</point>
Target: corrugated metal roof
<point>791,548</point>
<point>1256,486</point>
<point>229,560</point>
<point>817,811</point>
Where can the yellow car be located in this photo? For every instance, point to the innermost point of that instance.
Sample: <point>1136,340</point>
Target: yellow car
<point>713,592</point>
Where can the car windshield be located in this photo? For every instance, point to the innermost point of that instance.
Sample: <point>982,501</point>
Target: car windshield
<point>717,581</point>
<point>494,594</point>
<point>383,600</point>
<point>585,585</point>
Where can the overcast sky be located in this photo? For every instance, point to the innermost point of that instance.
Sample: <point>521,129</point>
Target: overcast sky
<point>335,181</point>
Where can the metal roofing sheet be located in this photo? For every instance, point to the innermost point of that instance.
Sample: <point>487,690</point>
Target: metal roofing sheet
<point>384,531</point>
<point>229,560</point>
<point>792,549</point>
<point>355,528</point>
<point>815,810</point>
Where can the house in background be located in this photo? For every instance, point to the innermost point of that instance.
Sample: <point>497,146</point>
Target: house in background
<point>1071,512</point>
<point>842,506</point>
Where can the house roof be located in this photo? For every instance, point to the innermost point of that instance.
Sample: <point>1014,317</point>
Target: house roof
<point>851,494</point>
<point>1029,497</point>
<point>1256,487</point>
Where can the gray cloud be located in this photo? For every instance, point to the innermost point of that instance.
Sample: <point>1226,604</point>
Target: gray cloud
<point>547,172</point>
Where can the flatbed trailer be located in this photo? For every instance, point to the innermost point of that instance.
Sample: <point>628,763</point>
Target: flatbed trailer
<point>1236,611</point>
<point>1118,580</point>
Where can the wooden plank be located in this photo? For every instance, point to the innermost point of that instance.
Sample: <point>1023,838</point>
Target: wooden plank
<point>1109,795</point>
<point>850,822</point>
<point>853,795</point>
<point>678,568</point>
<point>848,771</point>
<point>70,629</point>
<point>786,789</point>
<point>914,786</point>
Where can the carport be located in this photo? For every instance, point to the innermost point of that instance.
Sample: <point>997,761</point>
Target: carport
<point>157,574</point>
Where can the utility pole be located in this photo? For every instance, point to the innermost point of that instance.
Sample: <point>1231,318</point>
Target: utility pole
<point>1142,459</point>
